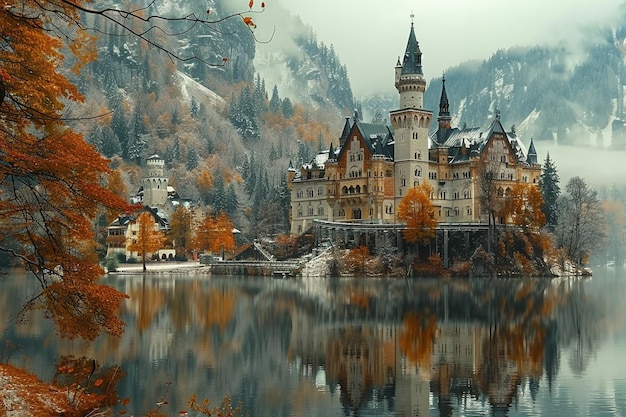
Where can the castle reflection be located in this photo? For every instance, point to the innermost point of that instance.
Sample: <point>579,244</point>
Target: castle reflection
<point>335,347</point>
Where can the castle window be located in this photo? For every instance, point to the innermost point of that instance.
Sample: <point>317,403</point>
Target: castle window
<point>456,212</point>
<point>456,195</point>
<point>442,195</point>
<point>358,189</point>
<point>403,182</point>
<point>342,213</point>
<point>418,172</point>
<point>320,191</point>
<point>299,212</point>
<point>468,210</point>
<point>344,190</point>
<point>416,183</point>
<point>310,211</point>
<point>309,193</point>
<point>320,211</point>
<point>389,209</point>
<point>388,173</point>
<point>300,194</point>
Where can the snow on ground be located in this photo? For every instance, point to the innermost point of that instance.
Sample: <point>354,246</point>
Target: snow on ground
<point>191,88</point>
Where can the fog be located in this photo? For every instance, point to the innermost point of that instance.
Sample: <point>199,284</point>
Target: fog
<point>369,36</point>
<point>598,166</point>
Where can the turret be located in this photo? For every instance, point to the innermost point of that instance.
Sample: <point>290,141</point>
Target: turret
<point>444,118</point>
<point>410,81</point>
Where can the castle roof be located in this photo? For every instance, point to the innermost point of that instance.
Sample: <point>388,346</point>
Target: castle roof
<point>474,140</point>
<point>412,61</point>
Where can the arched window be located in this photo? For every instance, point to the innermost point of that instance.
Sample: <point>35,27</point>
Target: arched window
<point>344,190</point>
<point>309,192</point>
<point>299,212</point>
<point>300,194</point>
<point>310,211</point>
<point>356,214</point>
<point>320,211</point>
<point>342,213</point>
<point>358,189</point>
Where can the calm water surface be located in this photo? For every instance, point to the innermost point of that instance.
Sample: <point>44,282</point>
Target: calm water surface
<point>339,347</point>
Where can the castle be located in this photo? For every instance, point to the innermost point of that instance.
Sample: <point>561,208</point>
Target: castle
<point>364,178</point>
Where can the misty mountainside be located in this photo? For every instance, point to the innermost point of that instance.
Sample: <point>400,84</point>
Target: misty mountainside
<point>570,94</point>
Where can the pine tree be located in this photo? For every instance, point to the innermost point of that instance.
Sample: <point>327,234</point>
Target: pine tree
<point>275,103</point>
<point>219,195</point>
<point>232,202</point>
<point>287,108</point>
<point>110,143</point>
<point>550,191</point>
<point>192,159</point>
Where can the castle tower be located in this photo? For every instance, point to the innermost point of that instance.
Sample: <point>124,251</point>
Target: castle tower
<point>155,183</point>
<point>410,122</point>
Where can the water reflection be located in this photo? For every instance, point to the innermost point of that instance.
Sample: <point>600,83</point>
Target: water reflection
<point>351,347</point>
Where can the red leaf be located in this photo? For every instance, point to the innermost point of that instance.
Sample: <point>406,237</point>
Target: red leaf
<point>262,5</point>
<point>251,3</point>
<point>208,11</point>
<point>126,401</point>
<point>98,382</point>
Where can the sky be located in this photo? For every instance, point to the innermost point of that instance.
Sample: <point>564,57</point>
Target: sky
<point>369,36</point>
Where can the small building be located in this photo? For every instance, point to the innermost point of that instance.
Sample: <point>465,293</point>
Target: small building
<point>122,232</point>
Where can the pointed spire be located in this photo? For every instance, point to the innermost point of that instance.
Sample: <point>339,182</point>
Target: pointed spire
<point>331,152</point>
<point>444,118</point>
<point>412,62</point>
<point>444,104</point>
<point>346,131</point>
<point>532,152</point>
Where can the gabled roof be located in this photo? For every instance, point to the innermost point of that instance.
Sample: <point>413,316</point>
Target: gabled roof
<point>125,219</point>
<point>377,138</point>
<point>474,140</point>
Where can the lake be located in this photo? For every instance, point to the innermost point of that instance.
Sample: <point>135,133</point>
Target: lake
<point>348,347</point>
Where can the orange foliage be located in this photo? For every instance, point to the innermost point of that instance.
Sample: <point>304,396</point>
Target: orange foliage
<point>523,206</point>
<point>215,234</point>
<point>149,238</point>
<point>416,341</point>
<point>51,184</point>
<point>417,211</point>
<point>356,259</point>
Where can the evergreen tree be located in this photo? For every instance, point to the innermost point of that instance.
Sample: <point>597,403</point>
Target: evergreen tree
<point>275,104</point>
<point>110,143</point>
<point>260,95</point>
<point>287,108</point>
<point>118,124</point>
<point>320,142</point>
<point>273,155</point>
<point>192,159</point>
<point>550,191</point>
<point>378,118</point>
<point>232,202</point>
<point>219,195</point>
<point>193,108</point>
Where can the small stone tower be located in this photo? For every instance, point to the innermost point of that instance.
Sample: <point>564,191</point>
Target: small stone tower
<point>155,183</point>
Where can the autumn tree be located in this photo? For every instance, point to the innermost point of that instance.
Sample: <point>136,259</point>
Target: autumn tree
<point>524,206</point>
<point>580,226</point>
<point>180,228</point>
<point>489,197</point>
<point>416,210</point>
<point>51,187</point>
<point>356,260</point>
<point>149,238</point>
<point>215,234</point>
